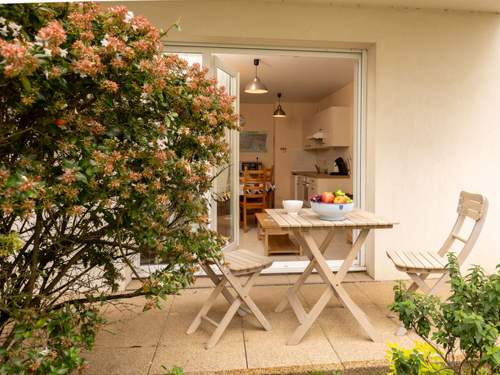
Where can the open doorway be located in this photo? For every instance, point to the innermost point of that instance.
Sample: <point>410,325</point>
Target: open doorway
<point>322,94</point>
<point>307,148</point>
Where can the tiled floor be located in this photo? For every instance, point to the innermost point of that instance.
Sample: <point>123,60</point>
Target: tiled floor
<point>147,343</point>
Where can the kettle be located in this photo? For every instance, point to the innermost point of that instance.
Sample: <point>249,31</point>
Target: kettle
<point>340,167</point>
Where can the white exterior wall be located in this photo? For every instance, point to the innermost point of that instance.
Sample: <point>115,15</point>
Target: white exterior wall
<point>433,103</point>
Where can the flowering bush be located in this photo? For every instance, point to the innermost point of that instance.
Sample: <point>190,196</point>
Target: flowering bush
<point>106,152</point>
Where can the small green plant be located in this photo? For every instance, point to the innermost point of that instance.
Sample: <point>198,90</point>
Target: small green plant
<point>420,360</point>
<point>173,371</point>
<point>461,333</point>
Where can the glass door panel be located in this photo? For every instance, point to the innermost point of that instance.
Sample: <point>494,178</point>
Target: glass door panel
<point>225,206</point>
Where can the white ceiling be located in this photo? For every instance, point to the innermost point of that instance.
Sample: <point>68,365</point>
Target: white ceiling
<point>465,5</point>
<point>299,79</point>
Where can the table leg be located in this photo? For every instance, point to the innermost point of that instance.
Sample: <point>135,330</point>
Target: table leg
<point>334,286</point>
<point>309,269</point>
<point>266,242</point>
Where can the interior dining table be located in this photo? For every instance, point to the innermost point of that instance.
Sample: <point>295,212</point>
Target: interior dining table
<point>303,225</point>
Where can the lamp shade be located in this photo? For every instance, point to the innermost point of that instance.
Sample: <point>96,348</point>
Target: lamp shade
<point>256,86</point>
<point>279,112</point>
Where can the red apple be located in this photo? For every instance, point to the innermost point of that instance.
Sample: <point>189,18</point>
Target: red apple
<point>327,197</point>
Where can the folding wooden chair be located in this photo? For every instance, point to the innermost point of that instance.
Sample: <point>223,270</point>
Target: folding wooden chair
<point>419,265</point>
<point>238,263</point>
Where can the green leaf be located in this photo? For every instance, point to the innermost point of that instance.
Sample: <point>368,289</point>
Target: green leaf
<point>81,177</point>
<point>26,83</point>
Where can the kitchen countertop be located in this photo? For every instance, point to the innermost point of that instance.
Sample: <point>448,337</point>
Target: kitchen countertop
<point>316,175</point>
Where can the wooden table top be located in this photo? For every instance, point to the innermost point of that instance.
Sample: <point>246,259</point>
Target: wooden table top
<point>307,218</point>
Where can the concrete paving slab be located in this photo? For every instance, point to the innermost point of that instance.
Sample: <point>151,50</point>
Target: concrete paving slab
<point>195,358</point>
<point>129,326</point>
<point>270,349</point>
<point>119,361</point>
<point>177,324</point>
<point>350,341</point>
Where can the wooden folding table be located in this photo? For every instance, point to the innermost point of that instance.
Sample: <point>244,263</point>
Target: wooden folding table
<point>303,225</point>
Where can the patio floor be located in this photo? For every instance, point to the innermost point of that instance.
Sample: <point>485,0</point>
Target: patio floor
<point>141,343</point>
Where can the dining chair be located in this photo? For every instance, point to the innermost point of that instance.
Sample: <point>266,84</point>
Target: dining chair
<point>419,265</point>
<point>238,265</point>
<point>270,187</point>
<point>254,197</point>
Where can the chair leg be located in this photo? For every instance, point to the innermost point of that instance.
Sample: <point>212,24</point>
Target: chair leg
<point>242,292</point>
<point>418,280</point>
<point>206,307</point>
<point>214,339</point>
<point>225,292</point>
<point>241,301</point>
<point>439,283</point>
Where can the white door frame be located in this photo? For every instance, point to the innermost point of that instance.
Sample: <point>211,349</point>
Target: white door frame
<point>359,119</point>
<point>234,164</point>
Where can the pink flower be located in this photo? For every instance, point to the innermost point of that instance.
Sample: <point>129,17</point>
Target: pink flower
<point>118,63</point>
<point>162,200</point>
<point>212,119</point>
<point>53,34</point>
<point>26,185</point>
<point>97,128</point>
<point>55,72</point>
<point>143,45</point>
<point>87,36</point>
<point>83,17</point>
<point>147,88</point>
<point>120,11</point>
<point>89,63</point>
<point>112,44</point>
<point>140,23</point>
<point>68,176</point>
<point>17,58</point>
<point>75,210</point>
<point>7,208</point>
<point>110,86</point>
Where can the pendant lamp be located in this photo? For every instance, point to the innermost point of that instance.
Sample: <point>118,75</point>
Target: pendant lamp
<point>256,86</point>
<point>279,111</point>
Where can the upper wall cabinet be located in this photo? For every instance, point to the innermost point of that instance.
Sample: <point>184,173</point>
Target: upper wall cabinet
<point>331,127</point>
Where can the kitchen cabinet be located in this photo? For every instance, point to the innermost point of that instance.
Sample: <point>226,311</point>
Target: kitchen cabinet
<point>308,184</point>
<point>331,127</point>
<point>320,185</point>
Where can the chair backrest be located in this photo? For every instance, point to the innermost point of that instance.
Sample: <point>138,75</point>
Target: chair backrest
<point>254,184</point>
<point>269,174</point>
<point>472,206</point>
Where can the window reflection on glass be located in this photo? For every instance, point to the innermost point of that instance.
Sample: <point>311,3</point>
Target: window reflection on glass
<point>222,184</point>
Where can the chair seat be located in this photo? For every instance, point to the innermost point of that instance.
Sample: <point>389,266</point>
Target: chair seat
<point>243,261</point>
<point>424,261</point>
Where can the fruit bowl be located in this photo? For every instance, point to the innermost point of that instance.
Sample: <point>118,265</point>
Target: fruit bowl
<point>332,211</point>
<point>332,206</point>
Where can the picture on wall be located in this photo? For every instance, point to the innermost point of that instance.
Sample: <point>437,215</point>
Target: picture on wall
<point>253,141</point>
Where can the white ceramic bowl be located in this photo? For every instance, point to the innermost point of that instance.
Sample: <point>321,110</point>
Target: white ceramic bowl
<point>331,211</point>
<point>292,207</point>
